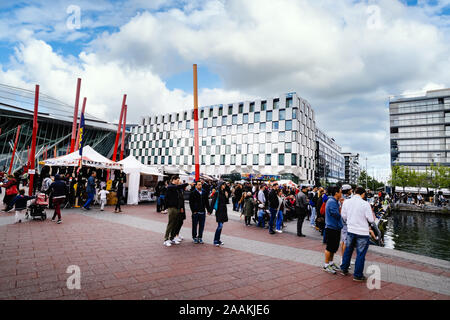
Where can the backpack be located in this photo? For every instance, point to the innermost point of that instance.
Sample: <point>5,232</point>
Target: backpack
<point>12,190</point>
<point>322,208</point>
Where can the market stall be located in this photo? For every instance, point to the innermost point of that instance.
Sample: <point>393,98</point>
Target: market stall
<point>140,188</point>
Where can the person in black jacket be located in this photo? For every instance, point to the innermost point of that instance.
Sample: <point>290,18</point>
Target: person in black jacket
<point>20,205</point>
<point>206,190</point>
<point>58,190</point>
<point>119,195</point>
<point>175,205</point>
<point>219,204</point>
<point>273,206</point>
<point>198,204</point>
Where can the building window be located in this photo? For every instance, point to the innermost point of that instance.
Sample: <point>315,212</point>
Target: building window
<point>228,129</point>
<point>255,159</point>
<point>263,105</point>
<point>294,159</point>
<point>213,159</point>
<point>288,125</point>
<point>244,160</point>
<point>275,126</point>
<point>222,159</point>
<point>209,132</point>
<point>288,102</point>
<point>185,116</point>
<point>282,115</point>
<point>274,147</point>
<point>202,113</point>
<point>241,108</point>
<point>178,160</point>
<point>262,126</point>
<point>217,149</point>
<point>245,118</point>
<point>262,148</point>
<point>220,111</point>
<point>288,147</point>
<point>188,124</point>
<point>214,122</point>
<point>268,159</point>
<point>268,115</point>
<point>230,109</point>
<point>257,117</point>
<point>228,149</point>
<point>162,160</point>
<point>233,159</point>
<point>276,104</point>
<point>250,127</point>
<point>234,119</point>
<point>211,112</point>
<point>203,160</point>
<point>281,159</point>
<point>239,128</point>
<point>224,120</point>
<point>252,106</point>
<point>205,123</point>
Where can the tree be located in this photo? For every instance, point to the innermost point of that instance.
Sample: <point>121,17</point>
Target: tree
<point>371,182</point>
<point>400,176</point>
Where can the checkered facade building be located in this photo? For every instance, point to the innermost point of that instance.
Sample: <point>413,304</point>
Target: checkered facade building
<point>273,136</point>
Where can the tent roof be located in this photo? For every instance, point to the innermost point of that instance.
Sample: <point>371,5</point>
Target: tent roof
<point>130,164</point>
<point>91,158</point>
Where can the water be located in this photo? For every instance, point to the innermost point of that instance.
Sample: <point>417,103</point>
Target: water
<point>424,234</point>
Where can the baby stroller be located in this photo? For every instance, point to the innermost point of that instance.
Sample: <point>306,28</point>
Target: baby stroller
<point>37,207</point>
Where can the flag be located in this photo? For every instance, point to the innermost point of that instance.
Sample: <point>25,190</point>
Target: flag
<point>81,133</point>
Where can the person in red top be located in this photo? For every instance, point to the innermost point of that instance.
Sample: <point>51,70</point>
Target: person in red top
<point>10,193</point>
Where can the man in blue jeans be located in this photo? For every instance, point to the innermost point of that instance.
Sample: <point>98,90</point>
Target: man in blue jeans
<point>90,189</point>
<point>273,206</point>
<point>358,215</point>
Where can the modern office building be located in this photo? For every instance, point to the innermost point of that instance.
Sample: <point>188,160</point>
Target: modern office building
<point>55,120</point>
<point>330,165</point>
<point>352,168</point>
<point>420,129</point>
<point>274,136</point>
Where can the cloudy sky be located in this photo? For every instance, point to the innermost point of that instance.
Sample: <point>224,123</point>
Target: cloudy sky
<point>345,57</point>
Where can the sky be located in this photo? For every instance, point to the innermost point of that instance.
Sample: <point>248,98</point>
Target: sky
<point>345,57</point>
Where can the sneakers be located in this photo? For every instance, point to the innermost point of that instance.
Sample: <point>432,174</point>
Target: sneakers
<point>301,235</point>
<point>359,279</point>
<point>271,232</point>
<point>220,243</point>
<point>175,241</point>
<point>195,240</point>
<point>167,243</point>
<point>334,266</point>
<point>343,272</point>
<point>58,222</point>
<point>329,269</point>
<point>279,231</point>
<point>200,240</point>
<point>179,239</point>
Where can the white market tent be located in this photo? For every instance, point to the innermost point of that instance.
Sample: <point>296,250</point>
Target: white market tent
<point>134,168</point>
<point>288,182</point>
<point>90,158</point>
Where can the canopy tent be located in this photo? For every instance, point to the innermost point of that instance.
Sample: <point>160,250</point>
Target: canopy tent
<point>90,158</point>
<point>175,170</point>
<point>134,168</point>
<point>288,182</point>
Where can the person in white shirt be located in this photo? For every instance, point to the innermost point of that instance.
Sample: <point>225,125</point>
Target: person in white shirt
<point>358,215</point>
<point>102,193</point>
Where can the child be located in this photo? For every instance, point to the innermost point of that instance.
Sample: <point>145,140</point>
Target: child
<point>103,194</point>
<point>20,203</point>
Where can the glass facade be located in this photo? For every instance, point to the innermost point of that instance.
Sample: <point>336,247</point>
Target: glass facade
<point>330,164</point>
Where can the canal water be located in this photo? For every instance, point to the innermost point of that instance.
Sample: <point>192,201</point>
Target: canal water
<point>424,234</point>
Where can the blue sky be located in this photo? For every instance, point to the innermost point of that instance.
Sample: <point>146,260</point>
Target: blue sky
<point>345,57</point>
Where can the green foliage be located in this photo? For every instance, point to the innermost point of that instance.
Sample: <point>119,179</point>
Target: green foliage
<point>372,183</point>
<point>435,176</point>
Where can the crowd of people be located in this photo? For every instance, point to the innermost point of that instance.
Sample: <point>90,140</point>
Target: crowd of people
<point>438,199</point>
<point>65,188</point>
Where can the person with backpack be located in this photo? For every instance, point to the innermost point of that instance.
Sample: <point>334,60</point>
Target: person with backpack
<point>301,207</point>
<point>10,192</point>
<point>20,205</point>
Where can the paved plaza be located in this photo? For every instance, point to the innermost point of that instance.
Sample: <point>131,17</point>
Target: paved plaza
<point>121,256</point>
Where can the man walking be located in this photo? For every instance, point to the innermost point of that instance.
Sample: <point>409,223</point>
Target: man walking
<point>301,207</point>
<point>198,204</point>
<point>333,226</point>
<point>358,215</point>
<point>90,189</point>
<point>58,190</point>
<point>273,206</point>
<point>175,205</point>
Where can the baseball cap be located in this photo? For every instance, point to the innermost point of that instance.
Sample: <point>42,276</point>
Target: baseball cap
<point>346,187</point>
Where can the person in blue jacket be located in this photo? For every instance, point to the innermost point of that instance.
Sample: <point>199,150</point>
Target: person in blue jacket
<point>333,226</point>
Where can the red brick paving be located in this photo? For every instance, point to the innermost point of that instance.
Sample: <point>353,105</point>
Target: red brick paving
<point>121,262</point>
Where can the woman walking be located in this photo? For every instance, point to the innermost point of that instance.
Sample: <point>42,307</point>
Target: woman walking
<point>219,204</point>
<point>119,195</point>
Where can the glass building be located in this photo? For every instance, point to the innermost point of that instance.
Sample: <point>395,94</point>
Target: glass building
<point>352,169</point>
<point>272,136</point>
<point>330,165</point>
<point>55,119</point>
<point>420,129</point>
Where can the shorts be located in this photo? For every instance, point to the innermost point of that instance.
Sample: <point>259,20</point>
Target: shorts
<point>344,233</point>
<point>333,239</point>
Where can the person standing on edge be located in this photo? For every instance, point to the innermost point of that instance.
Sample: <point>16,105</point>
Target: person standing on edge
<point>219,204</point>
<point>90,189</point>
<point>273,206</point>
<point>333,226</point>
<point>119,195</point>
<point>174,209</point>
<point>58,190</point>
<point>301,207</point>
<point>358,215</point>
<point>197,203</point>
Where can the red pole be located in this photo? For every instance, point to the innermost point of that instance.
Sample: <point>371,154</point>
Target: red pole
<point>55,153</point>
<point>196,144</point>
<point>78,134</point>
<point>118,128</point>
<point>33,140</point>
<point>14,149</point>
<point>75,116</point>
<point>122,146</point>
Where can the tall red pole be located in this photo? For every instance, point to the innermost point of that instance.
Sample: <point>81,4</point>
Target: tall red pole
<point>33,140</point>
<point>122,145</point>
<point>75,116</point>
<point>119,127</point>
<point>78,131</point>
<point>14,149</point>
<point>196,144</point>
